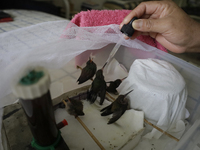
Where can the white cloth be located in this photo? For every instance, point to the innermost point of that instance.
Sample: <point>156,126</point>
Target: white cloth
<point>160,91</point>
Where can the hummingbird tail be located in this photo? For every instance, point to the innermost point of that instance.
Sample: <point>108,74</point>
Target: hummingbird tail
<point>91,96</point>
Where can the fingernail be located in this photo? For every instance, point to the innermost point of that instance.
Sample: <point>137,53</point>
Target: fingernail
<point>137,24</point>
<point>126,37</point>
<point>120,26</point>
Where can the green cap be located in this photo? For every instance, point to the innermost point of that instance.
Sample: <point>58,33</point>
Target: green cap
<point>32,77</point>
<point>32,85</point>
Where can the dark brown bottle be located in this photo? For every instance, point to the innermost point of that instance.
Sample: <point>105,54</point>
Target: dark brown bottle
<point>35,98</point>
<point>39,112</point>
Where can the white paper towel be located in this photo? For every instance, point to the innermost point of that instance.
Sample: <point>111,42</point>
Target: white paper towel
<point>124,134</point>
<point>160,91</point>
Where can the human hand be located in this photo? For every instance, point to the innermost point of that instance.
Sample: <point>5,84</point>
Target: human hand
<point>168,24</point>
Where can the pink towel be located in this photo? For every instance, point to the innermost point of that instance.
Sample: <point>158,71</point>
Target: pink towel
<point>106,17</point>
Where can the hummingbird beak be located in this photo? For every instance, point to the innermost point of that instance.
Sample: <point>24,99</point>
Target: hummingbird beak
<point>104,65</point>
<point>123,78</point>
<point>68,99</point>
<point>90,59</point>
<point>128,93</point>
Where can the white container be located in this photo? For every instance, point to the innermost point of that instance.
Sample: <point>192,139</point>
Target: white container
<point>65,78</point>
<point>125,56</point>
<point>191,138</point>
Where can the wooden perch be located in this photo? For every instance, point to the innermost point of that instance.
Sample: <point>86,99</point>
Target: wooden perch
<point>154,126</point>
<point>159,129</point>
<point>88,131</point>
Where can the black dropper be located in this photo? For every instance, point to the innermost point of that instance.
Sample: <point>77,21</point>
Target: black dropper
<point>127,29</point>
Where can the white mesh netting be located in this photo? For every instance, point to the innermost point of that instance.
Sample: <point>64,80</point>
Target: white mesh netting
<point>52,45</point>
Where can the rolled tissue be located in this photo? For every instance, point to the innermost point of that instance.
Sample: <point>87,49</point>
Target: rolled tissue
<point>160,91</point>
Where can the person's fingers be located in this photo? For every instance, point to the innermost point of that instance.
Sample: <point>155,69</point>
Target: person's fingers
<point>145,16</point>
<point>136,34</point>
<point>132,14</point>
<point>143,9</point>
<point>126,37</point>
<point>142,17</point>
<point>150,25</point>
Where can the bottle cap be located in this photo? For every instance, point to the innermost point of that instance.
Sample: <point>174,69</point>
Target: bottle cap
<point>33,85</point>
<point>128,29</point>
<point>65,122</point>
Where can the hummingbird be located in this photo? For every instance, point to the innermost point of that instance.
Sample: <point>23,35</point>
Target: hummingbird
<point>112,88</point>
<point>88,71</point>
<point>98,87</point>
<point>74,107</point>
<point>117,108</point>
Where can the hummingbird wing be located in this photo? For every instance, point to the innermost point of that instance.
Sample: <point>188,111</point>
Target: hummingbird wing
<point>107,110</point>
<point>112,88</point>
<point>116,115</point>
<point>92,96</point>
<point>95,88</point>
<point>77,106</point>
<point>70,108</point>
<point>86,74</point>
<point>102,94</point>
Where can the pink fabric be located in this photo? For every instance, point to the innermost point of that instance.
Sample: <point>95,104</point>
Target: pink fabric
<point>106,17</point>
